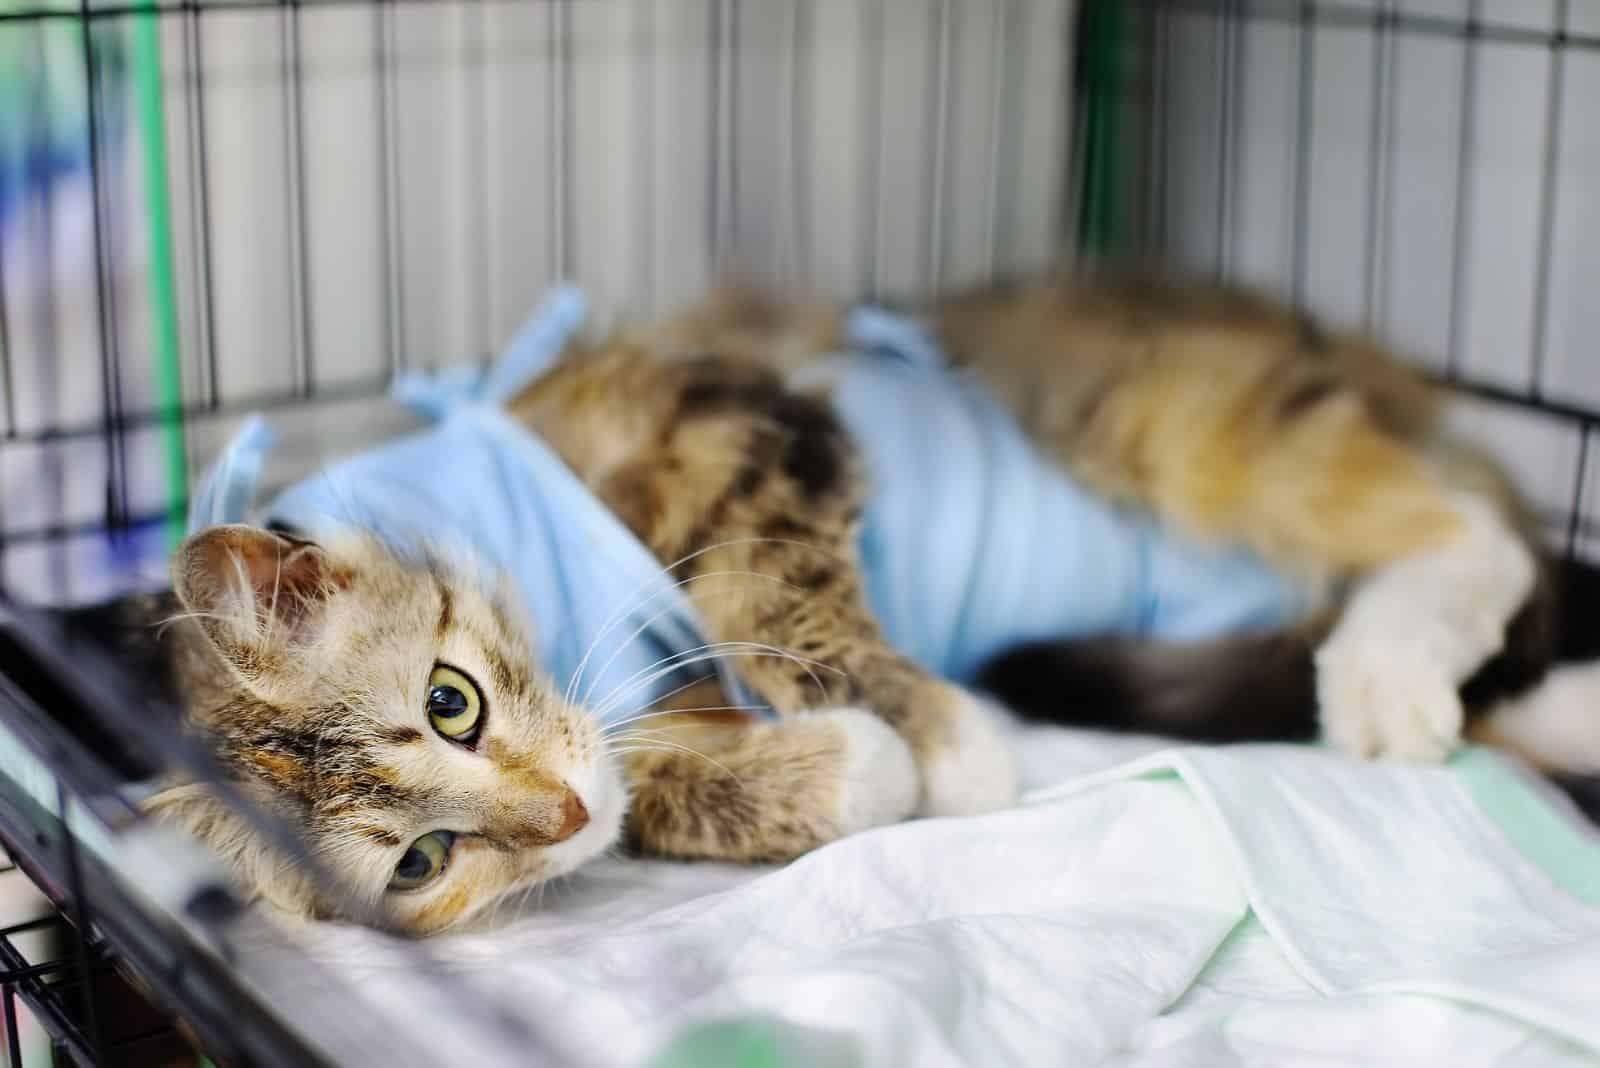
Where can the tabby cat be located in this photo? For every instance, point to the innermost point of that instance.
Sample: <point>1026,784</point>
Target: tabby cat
<point>394,712</point>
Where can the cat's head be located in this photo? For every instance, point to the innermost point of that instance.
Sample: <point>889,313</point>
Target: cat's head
<point>391,709</point>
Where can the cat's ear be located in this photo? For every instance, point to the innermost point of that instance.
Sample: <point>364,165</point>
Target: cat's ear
<point>253,590</point>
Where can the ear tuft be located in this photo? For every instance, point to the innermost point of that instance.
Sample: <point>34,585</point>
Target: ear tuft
<point>251,588</point>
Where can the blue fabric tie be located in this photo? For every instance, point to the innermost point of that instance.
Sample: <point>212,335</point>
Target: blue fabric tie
<point>478,486</point>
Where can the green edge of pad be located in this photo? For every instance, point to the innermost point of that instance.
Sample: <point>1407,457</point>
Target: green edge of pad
<point>758,1041</point>
<point>1568,855</point>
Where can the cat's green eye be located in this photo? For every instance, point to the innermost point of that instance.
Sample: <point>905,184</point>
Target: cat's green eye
<point>455,708</point>
<point>423,861</point>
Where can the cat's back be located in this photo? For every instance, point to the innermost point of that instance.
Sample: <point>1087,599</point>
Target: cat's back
<point>1198,402</point>
<point>1066,344</point>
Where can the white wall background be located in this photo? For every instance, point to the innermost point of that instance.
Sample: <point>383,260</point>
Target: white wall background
<point>365,187</point>
<point>443,163</point>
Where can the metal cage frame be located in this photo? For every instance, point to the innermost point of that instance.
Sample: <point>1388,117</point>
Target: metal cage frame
<point>1382,23</point>
<point>1120,137</point>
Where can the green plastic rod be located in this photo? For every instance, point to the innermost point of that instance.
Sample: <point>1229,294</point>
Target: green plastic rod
<point>163,289</point>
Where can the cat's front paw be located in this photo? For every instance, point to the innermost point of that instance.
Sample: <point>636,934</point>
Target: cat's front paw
<point>768,791</point>
<point>967,765</point>
<point>878,781</point>
<point>1382,699</point>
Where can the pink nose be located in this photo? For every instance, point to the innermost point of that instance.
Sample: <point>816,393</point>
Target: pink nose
<point>574,816</point>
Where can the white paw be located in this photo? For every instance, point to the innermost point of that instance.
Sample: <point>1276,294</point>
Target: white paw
<point>1385,700</point>
<point>973,770</point>
<point>879,782</point>
<point>1413,631</point>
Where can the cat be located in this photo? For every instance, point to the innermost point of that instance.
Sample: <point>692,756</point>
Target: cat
<point>392,707</point>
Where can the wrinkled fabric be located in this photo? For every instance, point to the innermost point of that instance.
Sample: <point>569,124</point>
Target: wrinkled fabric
<point>1247,906</point>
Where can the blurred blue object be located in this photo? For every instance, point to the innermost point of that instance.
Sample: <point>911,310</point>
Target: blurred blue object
<point>45,113</point>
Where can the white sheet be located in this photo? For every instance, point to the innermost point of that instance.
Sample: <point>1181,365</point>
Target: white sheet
<point>1260,906</point>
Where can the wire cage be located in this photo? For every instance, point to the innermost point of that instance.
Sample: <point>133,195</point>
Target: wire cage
<point>214,207</point>
<point>1417,168</point>
<point>294,202</point>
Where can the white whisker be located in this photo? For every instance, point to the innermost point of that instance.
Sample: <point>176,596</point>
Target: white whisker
<point>161,625</point>
<point>629,608</point>
<point>712,651</point>
<point>631,605</point>
<point>646,738</point>
<point>641,628</point>
<point>610,727</point>
<point>272,606</point>
<point>676,690</point>
<point>674,747</point>
<point>682,659</point>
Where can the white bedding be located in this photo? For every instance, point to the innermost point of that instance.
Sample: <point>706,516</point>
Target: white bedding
<point>1257,906</point>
